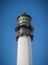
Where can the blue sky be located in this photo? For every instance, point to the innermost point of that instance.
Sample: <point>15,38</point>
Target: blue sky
<point>9,10</point>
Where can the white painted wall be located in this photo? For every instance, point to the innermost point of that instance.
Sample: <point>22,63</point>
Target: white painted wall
<point>24,53</point>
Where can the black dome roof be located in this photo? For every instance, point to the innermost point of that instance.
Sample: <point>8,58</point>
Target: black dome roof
<point>24,14</point>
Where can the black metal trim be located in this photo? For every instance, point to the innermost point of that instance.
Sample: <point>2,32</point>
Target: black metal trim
<point>31,36</point>
<point>24,26</point>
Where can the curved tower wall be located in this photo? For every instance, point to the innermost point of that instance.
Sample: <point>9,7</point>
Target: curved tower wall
<point>24,54</point>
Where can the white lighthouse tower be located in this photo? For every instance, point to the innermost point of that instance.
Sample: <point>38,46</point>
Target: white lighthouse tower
<point>24,37</point>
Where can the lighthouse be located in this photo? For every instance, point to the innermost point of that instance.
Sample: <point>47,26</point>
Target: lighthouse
<point>24,37</point>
